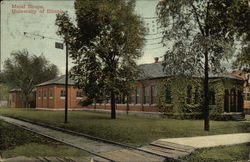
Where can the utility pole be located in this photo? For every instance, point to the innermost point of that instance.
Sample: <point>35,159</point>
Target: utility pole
<point>66,86</point>
<point>59,46</point>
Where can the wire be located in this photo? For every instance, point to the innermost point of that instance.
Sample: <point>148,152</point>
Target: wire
<point>150,17</point>
<point>41,36</point>
<point>153,34</point>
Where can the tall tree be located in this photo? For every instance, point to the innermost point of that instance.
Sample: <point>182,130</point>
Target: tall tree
<point>234,16</point>
<point>242,61</point>
<point>107,39</point>
<point>25,72</point>
<point>201,36</point>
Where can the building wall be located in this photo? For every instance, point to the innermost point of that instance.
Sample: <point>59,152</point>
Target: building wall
<point>137,101</point>
<point>138,98</point>
<point>50,97</point>
<point>15,100</point>
<point>246,90</point>
<point>247,99</point>
<point>73,102</point>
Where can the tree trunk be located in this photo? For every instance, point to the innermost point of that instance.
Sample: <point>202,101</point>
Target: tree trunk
<point>113,113</point>
<point>26,102</point>
<point>206,97</point>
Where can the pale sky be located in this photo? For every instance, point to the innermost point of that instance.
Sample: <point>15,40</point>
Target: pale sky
<point>13,26</point>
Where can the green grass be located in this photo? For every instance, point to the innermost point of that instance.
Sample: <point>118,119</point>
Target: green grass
<point>129,129</point>
<point>221,154</point>
<point>42,150</point>
<point>247,117</point>
<point>15,141</point>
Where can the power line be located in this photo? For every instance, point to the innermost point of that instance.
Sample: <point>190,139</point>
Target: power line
<point>150,17</point>
<point>150,44</point>
<point>153,34</point>
<point>41,36</point>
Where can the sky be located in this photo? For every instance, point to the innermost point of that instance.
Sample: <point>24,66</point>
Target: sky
<point>39,19</point>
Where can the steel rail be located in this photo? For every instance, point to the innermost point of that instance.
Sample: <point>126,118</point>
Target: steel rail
<point>172,159</point>
<point>56,139</point>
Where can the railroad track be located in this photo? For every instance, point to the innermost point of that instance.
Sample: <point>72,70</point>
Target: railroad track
<point>102,149</point>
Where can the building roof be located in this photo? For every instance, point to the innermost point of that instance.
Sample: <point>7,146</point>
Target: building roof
<point>151,71</point>
<point>148,71</point>
<point>58,81</point>
<point>19,90</point>
<point>155,70</point>
<point>15,90</point>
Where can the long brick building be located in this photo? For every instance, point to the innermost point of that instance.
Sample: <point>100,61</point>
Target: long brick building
<point>145,97</point>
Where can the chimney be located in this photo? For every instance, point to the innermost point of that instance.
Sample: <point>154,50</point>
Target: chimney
<point>156,59</point>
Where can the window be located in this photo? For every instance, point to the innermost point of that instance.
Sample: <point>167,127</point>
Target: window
<point>44,93</point>
<point>138,95</point>
<point>168,94</point>
<point>131,98</point>
<point>63,93</point>
<point>79,94</point>
<point>39,93</point>
<point>211,97</point>
<point>196,95</point>
<point>146,97</point>
<point>153,94</point>
<point>247,95</point>
<point>120,99</point>
<point>189,95</point>
<point>51,93</point>
<point>13,98</point>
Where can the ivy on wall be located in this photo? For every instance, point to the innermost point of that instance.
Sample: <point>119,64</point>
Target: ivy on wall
<point>183,104</point>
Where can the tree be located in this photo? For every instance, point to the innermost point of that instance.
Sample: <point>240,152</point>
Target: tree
<point>104,45</point>
<point>240,20</point>
<point>237,15</point>
<point>202,34</point>
<point>25,72</point>
<point>242,61</point>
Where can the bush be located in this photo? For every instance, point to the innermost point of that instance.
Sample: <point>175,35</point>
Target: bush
<point>194,115</point>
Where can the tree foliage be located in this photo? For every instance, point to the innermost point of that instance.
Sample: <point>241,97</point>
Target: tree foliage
<point>104,45</point>
<point>235,16</point>
<point>242,61</point>
<point>202,34</point>
<point>24,72</point>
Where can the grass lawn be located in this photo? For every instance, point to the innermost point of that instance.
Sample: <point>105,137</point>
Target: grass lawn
<point>221,154</point>
<point>247,117</point>
<point>15,141</point>
<point>129,129</point>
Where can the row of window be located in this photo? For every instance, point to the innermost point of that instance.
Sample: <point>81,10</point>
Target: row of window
<point>150,96</point>
<point>62,94</point>
<point>191,98</point>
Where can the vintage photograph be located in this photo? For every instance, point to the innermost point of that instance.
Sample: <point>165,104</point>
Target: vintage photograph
<point>125,80</point>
